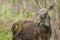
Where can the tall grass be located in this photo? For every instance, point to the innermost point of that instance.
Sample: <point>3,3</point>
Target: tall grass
<point>7,18</point>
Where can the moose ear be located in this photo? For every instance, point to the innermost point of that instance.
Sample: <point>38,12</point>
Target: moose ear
<point>51,7</point>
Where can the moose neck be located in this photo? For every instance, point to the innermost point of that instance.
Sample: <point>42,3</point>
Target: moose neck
<point>47,20</point>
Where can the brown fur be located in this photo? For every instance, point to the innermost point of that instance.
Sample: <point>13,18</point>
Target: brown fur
<point>29,31</point>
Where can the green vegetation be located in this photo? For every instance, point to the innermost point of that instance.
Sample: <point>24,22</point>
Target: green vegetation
<point>23,10</point>
<point>5,14</point>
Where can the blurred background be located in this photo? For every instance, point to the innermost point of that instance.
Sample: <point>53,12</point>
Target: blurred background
<point>13,10</point>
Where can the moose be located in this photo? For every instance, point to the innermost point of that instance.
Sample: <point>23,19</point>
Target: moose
<point>40,29</point>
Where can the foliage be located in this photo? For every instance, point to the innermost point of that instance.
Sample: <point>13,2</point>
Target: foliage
<point>25,11</point>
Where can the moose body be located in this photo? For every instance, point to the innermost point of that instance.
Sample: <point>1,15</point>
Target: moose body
<point>33,30</point>
<point>30,31</point>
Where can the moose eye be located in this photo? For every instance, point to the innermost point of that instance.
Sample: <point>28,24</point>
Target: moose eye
<point>46,13</point>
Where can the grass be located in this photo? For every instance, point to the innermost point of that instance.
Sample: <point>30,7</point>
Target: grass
<point>6,16</point>
<point>5,34</point>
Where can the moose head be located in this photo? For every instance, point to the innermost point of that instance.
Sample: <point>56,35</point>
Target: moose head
<point>43,16</point>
